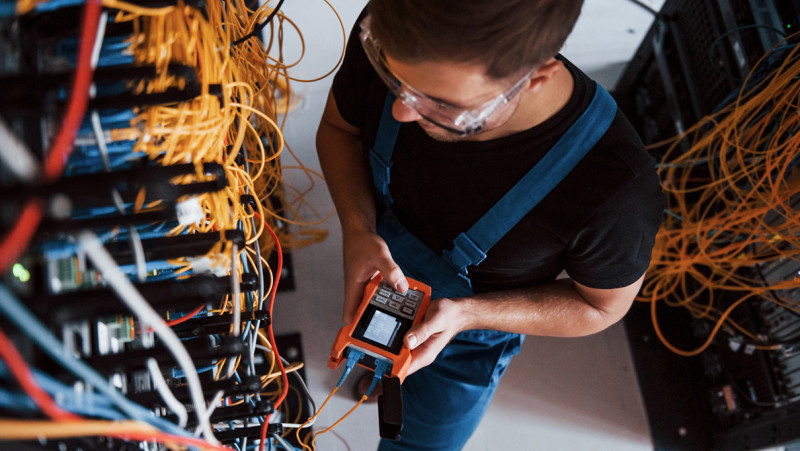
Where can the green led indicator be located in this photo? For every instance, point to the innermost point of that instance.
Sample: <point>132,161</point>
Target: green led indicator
<point>788,26</point>
<point>21,273</point>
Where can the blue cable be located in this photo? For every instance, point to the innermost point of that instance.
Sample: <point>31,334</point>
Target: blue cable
<point>64,393</point>
<point>57,4</point>
<point>87,403</point>
<point>19,402</point>
<point>18,314</point>
<point>176,373</point>
<point>353,357</point>
<point>381,367</point>
<point>8,9</point>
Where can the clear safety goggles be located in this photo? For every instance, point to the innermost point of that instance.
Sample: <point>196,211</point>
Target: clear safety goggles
<point>455,119</point>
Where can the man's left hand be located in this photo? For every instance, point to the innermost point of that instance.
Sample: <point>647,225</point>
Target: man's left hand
<point>443,320</point>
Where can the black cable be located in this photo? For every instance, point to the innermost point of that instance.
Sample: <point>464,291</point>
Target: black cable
<point>260,26</point>
<point>648,8</point>
<point>722,36</point>
<point>744,394</point>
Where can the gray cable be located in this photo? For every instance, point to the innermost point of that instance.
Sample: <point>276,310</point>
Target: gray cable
<point>131,297</point>
<point>15,312</point>
<point>97,130</point>
<point>646,7</point>
<point>16,155</point>
<point>166,394</point>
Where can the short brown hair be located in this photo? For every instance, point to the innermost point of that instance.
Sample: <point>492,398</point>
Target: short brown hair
<point>509,37</point>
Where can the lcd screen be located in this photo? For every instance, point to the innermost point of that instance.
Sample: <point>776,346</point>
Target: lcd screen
<point>382,328</point>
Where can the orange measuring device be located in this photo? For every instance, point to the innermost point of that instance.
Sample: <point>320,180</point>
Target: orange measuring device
<point>382,321</point>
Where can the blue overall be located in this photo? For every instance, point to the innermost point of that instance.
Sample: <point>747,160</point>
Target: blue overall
<point>444,402</point>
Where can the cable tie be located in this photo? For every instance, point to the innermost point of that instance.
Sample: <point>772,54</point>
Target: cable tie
<point>275,429</point>
<point>248,199</point>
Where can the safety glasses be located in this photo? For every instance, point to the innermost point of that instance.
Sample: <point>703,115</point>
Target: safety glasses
<point>455,119</point>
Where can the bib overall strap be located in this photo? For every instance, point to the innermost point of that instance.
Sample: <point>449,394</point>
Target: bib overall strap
<point>380,156</point>
<point>418,261</point>
<point>470,247</point>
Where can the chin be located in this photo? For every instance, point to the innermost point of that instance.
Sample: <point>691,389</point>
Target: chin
<point>440,134</point>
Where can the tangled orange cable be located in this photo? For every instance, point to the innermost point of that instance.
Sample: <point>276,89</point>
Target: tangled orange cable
<point>732,205</point>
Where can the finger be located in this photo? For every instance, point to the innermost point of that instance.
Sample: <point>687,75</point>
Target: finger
<point>353,293</point>
<point>393,275</point>
<point>423,331</point>
<point>426,353</point>
<point>351,298</point>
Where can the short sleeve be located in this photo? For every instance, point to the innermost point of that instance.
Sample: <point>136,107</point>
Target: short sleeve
<point>613,248</point>
<point>353,78</point>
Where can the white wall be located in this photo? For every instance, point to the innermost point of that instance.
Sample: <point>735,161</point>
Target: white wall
<point>558,394</point>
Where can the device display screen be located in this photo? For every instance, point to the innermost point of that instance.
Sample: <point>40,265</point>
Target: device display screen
<point>382,329</point>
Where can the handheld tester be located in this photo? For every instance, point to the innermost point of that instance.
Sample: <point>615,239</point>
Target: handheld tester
<point>382,321</point>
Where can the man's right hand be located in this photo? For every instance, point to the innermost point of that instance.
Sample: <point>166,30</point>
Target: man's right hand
<point>365,254</point>
<point>349,180</point>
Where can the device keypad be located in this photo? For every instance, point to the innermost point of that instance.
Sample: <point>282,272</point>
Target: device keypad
<point>401,304</point>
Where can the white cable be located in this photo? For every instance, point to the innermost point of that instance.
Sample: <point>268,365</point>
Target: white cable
<point>16,155</point>
<point>212,406</point>
<point>98,41</point>
<point>303,386</point>
<point>123,287</point>
<point>138,253</point>
<point>253,338</point>
<point>298,425</point>
<point>346,445</point>
<point>282,442</point>
<point>236,304</point>
<point>118,202</point>
<point>166,394</point>
<point>236,292</point>
<point>97,130</point>
<point>98,45</point>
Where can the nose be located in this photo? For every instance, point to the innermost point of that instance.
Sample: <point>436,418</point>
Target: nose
<point>404,113</point>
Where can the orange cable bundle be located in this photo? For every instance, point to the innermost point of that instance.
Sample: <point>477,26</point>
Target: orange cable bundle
<point>235,93</point>
<point>732,204</point>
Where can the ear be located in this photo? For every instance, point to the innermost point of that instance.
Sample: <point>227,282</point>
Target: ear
<point>543,74</point>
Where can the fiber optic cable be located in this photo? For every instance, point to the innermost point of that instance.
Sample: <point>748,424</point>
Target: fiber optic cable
<point>149,318</point>
<point>17,314</point>
<point>730,203</point>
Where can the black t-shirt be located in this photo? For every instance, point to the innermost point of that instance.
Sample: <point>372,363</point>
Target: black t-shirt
<point>598,224</point>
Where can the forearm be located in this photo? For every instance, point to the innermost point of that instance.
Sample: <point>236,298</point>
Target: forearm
<point>347,176</point>
<point>556,309</point>
<point>561,309</point>
<point>349,180</point>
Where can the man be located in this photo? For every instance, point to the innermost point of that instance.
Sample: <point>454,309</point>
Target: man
<point>461,150</point>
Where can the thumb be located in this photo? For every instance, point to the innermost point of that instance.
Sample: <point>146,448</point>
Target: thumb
<point>393,275</point>
<point>421,333</point>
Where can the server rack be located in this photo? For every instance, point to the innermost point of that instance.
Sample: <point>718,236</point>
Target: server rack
<point>694,59</point>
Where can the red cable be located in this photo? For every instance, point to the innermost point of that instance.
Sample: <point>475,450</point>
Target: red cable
<point>17,239</point>
<point>22,232</point>
<point>79,96</point>
<point>186,317</point>
<point>271,334</point>
<point>21,371</point>
<point>163,437</point>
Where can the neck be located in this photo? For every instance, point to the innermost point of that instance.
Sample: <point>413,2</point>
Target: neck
<point>536,105</point>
